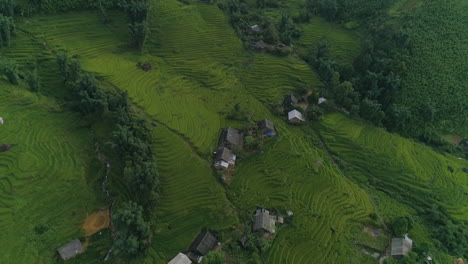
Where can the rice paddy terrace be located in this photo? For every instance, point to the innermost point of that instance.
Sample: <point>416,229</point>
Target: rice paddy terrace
<point>200,71</point>
<point>48,177</point>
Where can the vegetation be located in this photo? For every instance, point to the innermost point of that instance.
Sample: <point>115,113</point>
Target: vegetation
<point>161,126</point>
<point>133,232</point>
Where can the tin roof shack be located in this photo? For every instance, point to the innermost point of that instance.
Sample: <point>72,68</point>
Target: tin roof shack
<point>230,138</point>
<point>204,243</point>
<point>263,221</point>
<point>71,249</point>
<point>181,258</point>
<point>295,116</point>
<point>266,127</point>
<point>224,158</point>
<point>401,247</point>
<point>290,100</point>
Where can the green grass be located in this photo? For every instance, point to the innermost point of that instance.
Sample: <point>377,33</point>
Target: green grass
<point>48,177</point>
<point>402,176</point>
<point>200,71</point>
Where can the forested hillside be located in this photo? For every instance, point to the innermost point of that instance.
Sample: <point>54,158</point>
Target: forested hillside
<point>116,107</point>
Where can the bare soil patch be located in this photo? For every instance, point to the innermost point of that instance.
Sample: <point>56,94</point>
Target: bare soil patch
<point>96,222</point>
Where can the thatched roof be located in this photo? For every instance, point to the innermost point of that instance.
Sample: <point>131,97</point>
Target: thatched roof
<point>204,243</point>
<point>401,246</point>
<point>5,147</point>
<point>71,249</point>
<point>180,259</point>
<point>260,44</point>
<point>264,221</point>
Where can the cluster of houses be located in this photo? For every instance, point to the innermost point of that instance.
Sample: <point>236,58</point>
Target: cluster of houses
<point>231,138</point>
<point>201,246</point>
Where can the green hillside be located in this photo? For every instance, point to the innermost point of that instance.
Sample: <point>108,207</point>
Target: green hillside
<point>339,176</point>
<point>49,178</point>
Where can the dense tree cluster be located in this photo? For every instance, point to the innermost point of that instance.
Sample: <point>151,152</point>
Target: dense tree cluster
<point>132,230</point>
<point>9,70</point>
<point>131,139</point>
<point>244,14</point>
<point>7,23</point>
<point>137,13</point>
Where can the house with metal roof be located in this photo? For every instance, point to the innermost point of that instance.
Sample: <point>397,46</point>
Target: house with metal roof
<point>401,246</point>
<point>266,127</point>
<point>224,158</point>
<point>290,100</point>
<point>295,116</point>
<point>71,249</point>
<point>230,137</point>
<point>181,258</point>
<point>204,243</point>
<point>255,28</point>
<point>263,221</point>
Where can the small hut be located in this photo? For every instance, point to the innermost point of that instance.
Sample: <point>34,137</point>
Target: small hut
<point>290,100</point>
<point>322,100</point>
<point>181,258</point>
<point>230,137</point>
<point>202,245</point>
<point>5,147</point>
<point>1,120</point>
<point>266,127</point>
<point>255,28</point>
<point>295,116</point>
<point>264,221</point>
<point>71,249</point>
<point>401,247</point>
<point>259,45</point>
<point>224,158</point>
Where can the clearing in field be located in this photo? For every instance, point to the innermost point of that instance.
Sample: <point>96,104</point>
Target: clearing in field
<point>96,222</point>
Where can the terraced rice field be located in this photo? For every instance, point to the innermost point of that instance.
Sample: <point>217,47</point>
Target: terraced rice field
<point>413,170</point>
<point>200,71</point>
<point>47,179</point>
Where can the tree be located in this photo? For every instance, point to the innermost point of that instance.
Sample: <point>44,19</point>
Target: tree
<point>143,178</point>
<point>10,70</point>
<point>7,30</point>
<point>138,33</point>
<point>132,231</point>
<point>7,7</point>
<point>371,110</point>
<point>401,226</point>
<point>428,112</point>
<point>270,34</point>
<point>32,79</point>
<point>214,258</point>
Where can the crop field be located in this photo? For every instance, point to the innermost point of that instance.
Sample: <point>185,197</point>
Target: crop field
<point>411,175</point>
<point>200,70</point>
<point>48,178</point>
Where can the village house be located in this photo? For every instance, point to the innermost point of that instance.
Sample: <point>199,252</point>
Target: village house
<point>290,100</point>
<point>71,249</point>
<point>224,158</point>
<point>322,100</point>
<point>266,127</point>
<point>295,116</point>
<point>202,245</point>
<point>181,258</point>
<point>255,28</point>
<point>1,121</point>
<point>259,45</point>
<point>230,138</point>
<point>263,221</point>
<point>401,247</point>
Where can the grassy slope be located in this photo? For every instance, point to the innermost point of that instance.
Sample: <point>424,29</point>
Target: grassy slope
<point>437,67</point>
<point>45,178</point>
<point>200,71</point>
<point>402,176</point>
